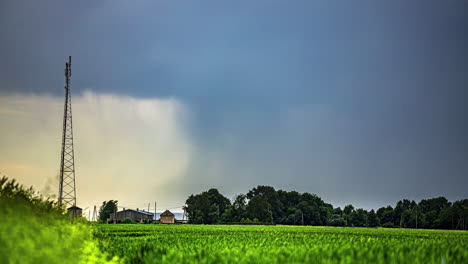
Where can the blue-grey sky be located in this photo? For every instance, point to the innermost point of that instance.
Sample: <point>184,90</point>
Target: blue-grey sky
<point>361,102</point>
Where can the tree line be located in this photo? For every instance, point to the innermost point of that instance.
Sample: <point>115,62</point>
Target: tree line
<point>264,204</point>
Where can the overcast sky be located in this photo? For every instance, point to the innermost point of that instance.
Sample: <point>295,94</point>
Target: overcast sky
<point>361,102</point>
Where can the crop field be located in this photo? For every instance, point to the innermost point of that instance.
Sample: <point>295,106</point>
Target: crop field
<point>280,244</point>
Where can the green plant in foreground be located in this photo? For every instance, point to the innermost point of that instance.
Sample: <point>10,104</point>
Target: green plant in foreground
<point>34,230</point>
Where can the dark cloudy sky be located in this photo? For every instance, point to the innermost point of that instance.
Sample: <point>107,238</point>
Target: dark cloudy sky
<point>361,102</point>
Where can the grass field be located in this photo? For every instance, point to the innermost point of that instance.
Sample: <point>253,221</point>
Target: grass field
<point>280,244</point>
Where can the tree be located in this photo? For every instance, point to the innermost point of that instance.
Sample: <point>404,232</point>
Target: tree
<point>259,208</point>
<point>237,210</point>
<point>406,219</point>
<point>431,218</point>
<point>268,194</point>
<point>347,214</point>
<point>206,207</point>
<point>265,204</point>
<point>461,214</point>
<point>358,217</point>
<point>372,219</point>
<point>338,211</point>
<point>434,204</point>
<point>336,220</point>
<point>326,210</point>
<point>106,209</point>
<point>397,213</point>
<point>431,209</point>
<point>416,214</point>
<point>288,200</point>
<point>386,215</point>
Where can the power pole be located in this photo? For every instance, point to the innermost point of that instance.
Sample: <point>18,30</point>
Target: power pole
<point>302,218</point>
<point>154,211</point>
<point>148,207</point>
<point>67,192</point>
<point>94,214</point>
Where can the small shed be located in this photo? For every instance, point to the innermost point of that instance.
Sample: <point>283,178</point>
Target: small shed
<point>75,211</point>
<point>167,218</point>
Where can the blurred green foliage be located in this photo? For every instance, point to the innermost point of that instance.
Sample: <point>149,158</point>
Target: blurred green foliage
<point>37,230</point>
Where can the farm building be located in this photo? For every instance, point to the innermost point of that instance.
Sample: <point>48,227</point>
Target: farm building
<point>75,211</point>
<point>167,218</point>
<point>135,215</point>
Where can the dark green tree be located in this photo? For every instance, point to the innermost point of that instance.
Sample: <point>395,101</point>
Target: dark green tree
<point>434,204</point>
<point>359,218</point>
<point>237,210</point>
<point>269,195</point>
<point>338,211</point>
<point>461,214</point>
<point>326,211</point>
<point>372,219</point>
<point>206,207</point>
<point>265,204</point>
<point>431,209</point>
<point>106,209</point>
<point>385,215</point>
<point>259,208</point>
<point>336,220</point>
<point>416,215</point>
<point>348,209</point>
<point>407,219</point>
<point>397,213</point>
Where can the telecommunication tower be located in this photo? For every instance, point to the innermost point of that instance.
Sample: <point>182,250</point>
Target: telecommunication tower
<point>67,192</point>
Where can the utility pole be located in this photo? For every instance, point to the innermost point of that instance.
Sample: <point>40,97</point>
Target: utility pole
<point>302,218</point>
<point>148,207</point>
<point>67,192</point>
<point>94,214</point>
<point>154,211</point>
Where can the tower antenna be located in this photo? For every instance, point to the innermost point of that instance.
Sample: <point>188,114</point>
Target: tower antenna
<point>67,192</point>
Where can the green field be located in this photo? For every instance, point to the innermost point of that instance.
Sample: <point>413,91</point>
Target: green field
<point>280,244</point>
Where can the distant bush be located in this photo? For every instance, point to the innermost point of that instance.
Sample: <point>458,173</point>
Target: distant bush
<point>336,220</point>
<point>128,221</point>
<point>147,221</point>
<point>388,225</point>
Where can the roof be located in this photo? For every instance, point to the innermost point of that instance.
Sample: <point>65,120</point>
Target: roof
<point>74,207</point>
<point>167,213</point>
<point>138,211</point>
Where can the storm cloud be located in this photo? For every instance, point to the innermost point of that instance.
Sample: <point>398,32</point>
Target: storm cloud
<point>361,102</point>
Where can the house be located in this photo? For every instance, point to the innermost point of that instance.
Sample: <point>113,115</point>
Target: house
<point>75,211</point>
<point>135,215</point>
<point>167,218</point>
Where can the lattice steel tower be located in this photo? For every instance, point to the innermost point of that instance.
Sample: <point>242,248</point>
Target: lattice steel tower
<point>67,192</point>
